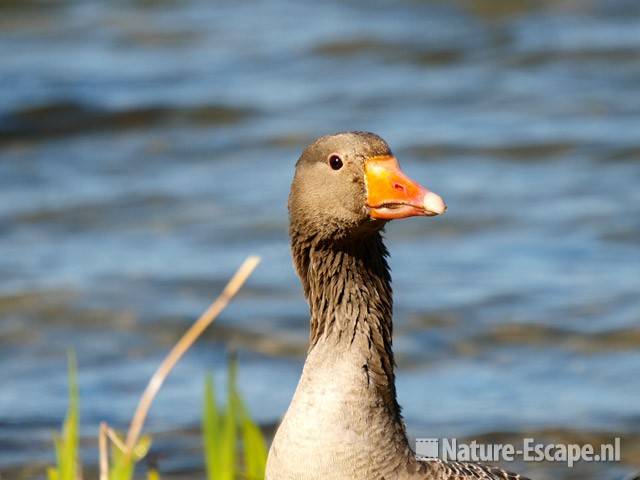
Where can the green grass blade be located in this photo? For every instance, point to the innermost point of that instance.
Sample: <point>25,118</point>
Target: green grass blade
<point>229,422</point>
<point>153,474</point>
<point>57,445</point>
<point>211,431</point>
<point>255,446</point>
<point>71,433</point>
<point>142,448</point>
<point>121,467</point>
<point>52,473</point>
<point>66,444</point>
<point>220,431</point>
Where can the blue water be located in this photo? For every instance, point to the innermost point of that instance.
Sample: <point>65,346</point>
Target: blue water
<point>147,147</point>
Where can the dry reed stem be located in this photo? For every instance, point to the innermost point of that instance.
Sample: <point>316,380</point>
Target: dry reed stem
<point>104,452</point>
<point>190,336</point>
<point>106,434</point>
<point>115,439</point>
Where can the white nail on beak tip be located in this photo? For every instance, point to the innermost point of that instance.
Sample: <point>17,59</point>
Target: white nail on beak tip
<point>433,203</point>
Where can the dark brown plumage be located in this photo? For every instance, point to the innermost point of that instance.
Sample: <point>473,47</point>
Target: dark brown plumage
<point>344,421</point>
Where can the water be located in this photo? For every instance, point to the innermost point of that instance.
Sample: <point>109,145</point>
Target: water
<point>146,147</point>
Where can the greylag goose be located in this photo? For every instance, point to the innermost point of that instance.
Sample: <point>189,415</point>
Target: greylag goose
<point>344,420</point>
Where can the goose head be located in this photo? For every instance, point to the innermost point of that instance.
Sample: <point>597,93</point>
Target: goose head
<point>351,183</point>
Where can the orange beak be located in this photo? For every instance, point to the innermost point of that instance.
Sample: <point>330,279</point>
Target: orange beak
<point>391,194</point>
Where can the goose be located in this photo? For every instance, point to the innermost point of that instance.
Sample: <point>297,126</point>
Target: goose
<point>344,420</point>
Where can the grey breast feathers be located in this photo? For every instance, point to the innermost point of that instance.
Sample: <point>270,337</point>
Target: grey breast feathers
<point>439,470</point>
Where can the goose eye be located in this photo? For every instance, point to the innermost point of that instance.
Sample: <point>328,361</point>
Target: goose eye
<point>335,161</point>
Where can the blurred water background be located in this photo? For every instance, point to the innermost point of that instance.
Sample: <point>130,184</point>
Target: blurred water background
<point>146,147</point>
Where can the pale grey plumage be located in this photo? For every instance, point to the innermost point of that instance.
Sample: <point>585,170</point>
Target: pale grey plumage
<point>344,421</point>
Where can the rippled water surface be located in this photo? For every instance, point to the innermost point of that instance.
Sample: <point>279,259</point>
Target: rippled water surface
<point>146,147</point>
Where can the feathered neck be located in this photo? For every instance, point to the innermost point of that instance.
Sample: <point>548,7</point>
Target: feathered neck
<point>348,287</point>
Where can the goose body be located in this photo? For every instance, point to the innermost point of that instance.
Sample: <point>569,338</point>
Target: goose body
<point>344,421</point>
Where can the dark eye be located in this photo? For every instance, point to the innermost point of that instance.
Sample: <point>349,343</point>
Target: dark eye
<point>335,161</point>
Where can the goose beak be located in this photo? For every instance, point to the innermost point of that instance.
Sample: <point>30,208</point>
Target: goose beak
<point>391,194</point>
